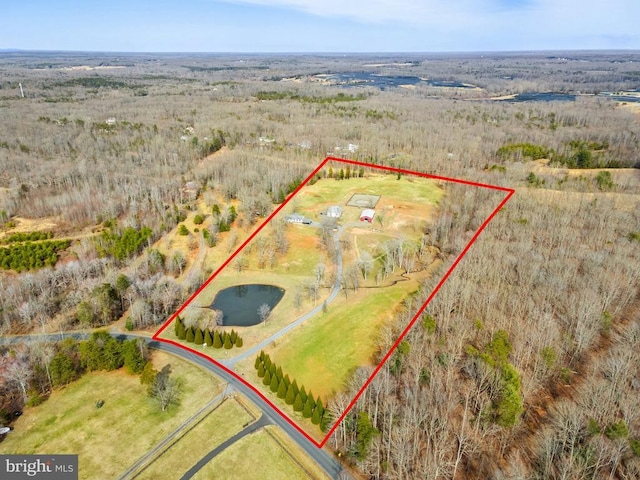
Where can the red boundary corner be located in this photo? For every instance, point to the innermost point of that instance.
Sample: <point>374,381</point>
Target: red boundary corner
<point>509,193</point>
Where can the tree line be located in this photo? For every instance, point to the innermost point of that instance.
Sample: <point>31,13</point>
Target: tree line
<point>288,390</point>
<point>200,336</point>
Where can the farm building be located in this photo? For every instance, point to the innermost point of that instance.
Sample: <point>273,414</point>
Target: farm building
<point>367,215</point>
<point>334,212</point>
<point>297,218</point>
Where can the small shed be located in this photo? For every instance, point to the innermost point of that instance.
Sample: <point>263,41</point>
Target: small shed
<point>367,215</point>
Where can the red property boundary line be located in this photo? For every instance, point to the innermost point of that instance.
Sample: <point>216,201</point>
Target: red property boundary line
<point>509,193</point>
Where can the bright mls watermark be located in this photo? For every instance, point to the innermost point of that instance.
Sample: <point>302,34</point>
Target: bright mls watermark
<point>51,467</point>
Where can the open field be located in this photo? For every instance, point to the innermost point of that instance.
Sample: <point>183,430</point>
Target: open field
<point>224,422</point>
<point>407,205</point>
<point>69,421</point>
<point>268,460</point>
<point>323,352</point>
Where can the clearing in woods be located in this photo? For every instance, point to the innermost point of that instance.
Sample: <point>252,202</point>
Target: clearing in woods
<point>344,280</point>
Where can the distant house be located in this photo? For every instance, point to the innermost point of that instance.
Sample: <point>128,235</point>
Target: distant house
<point>297,218</point>
<point>367,215</point>
<point>334,212</point>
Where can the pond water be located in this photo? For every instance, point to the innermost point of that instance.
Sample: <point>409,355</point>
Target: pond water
<point>240,304</point>
<point>364,79</point>
<point>541,97</point>
<point>621,98</point>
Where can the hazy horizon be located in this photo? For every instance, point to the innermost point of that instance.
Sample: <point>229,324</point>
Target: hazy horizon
<point>306,26</point>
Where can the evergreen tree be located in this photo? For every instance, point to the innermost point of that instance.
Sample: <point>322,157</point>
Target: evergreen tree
<point>290,397</point>
<point>267,378</point>
<point>261,356</point>
<point>298,405</point>
<point>198,337</point>
<point>190,335</point>
<point>307,411</point>
<point>233,336</point>
<point>282,390</point>
<point>319,403</point>
<point>148,374</point>
<point>239,342</point>
<point>257,363</point>
<point>208,338</point>
<point>227,342</point>
<point>287,380</point>
<point>261,371</point>
<point>316,417</point>
<point>217,341</point>
<point>303,394</point>
<point>311,399</point>
<point>133,357</point>
<point>279,373</point>
<point>176,325</point>
<point>274,384</point>
<point>294,384</point>
<point>182,332</point>
<point>267,362</point>
<point>273,369</point>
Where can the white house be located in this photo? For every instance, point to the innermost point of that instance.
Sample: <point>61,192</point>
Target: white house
<point>334,212</point>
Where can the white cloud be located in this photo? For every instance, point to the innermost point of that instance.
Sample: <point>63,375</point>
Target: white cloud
<point>610,23</point>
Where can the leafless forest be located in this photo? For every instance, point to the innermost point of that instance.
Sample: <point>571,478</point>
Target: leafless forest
<point>526,365</point>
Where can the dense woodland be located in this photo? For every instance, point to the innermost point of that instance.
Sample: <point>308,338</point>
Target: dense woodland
<point>525,364</point>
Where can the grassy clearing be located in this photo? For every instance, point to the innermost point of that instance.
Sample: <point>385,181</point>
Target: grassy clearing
<point>224,422</point>
<point>268,461</point>
<point>338,192</point>
<point>69,421</point>
<point>322,353</point>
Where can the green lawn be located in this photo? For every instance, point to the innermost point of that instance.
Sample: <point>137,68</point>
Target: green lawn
<point>337,192</point>
<point>224,422</point>
<point>322,353</point>
<point>256,457</point>
<point>111,438</point>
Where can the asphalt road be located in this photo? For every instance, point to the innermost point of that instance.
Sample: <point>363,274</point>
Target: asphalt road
<point>325,460</point>
<point>261,422</point>
<point>270,416</point>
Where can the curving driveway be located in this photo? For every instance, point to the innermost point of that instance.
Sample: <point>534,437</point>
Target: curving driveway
<point>335,290</point>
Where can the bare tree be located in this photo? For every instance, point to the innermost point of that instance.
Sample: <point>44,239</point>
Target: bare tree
<point>165,389</point>
<point>264,311</point>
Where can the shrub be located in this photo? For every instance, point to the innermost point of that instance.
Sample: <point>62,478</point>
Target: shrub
<point>617,430</point>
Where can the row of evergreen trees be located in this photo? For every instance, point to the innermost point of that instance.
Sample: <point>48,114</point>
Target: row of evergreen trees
<point>288,390</point>
<point>201,336</point>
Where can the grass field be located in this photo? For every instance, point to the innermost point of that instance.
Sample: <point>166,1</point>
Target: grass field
<point>327,192</point>
<point>322,353</point>
<point>69,422</point>
<point>224,422</point>
<point>268,460</point>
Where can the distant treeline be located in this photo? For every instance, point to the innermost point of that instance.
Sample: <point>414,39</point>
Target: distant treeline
<point>579,154</point>
<point>340,97</point>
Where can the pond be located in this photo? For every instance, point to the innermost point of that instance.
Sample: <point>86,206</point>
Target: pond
<point>240,304</point>
<point>541,97</point>
<point>363,79</point>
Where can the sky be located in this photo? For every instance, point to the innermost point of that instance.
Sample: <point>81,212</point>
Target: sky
<point>338,26</point>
